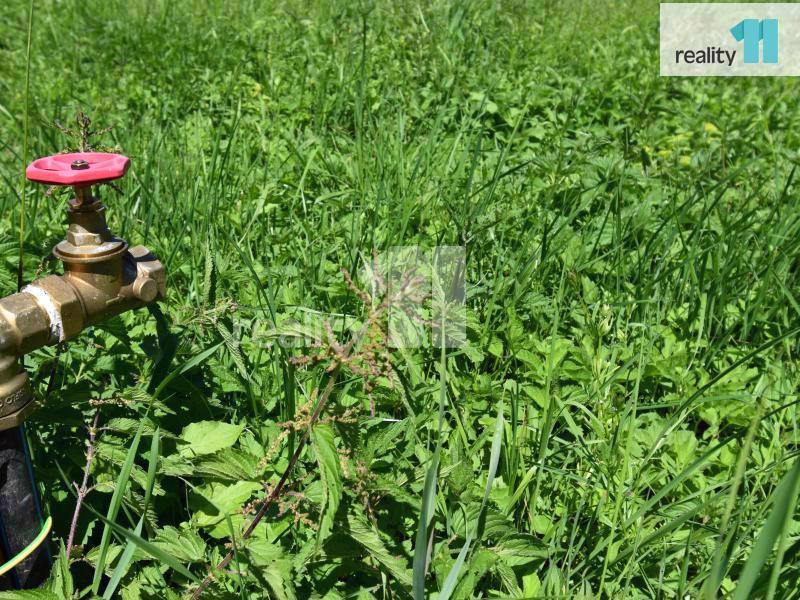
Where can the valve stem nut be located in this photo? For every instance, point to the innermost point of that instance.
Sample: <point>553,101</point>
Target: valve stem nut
<point>150,268</point>
<point>145,289</point>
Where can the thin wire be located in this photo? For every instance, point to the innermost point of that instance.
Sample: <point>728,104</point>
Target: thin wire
<point>29,549</point>
<point>25,147</point>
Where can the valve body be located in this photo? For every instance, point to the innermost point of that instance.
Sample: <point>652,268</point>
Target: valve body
<point>102,278</point>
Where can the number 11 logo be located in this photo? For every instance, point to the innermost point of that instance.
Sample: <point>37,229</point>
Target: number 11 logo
<point>753,31</point>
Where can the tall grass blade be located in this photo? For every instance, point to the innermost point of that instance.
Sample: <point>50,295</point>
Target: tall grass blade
<point>420,565</point>
<point>150,549</point>
<point>113,509</point>
<point>494,459</point>
<point>130,548</point>
<point>775,528</point>
<point>189,364</point>
<point>25,119</point>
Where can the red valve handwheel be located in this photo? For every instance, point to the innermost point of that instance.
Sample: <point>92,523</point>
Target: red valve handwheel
<point>78,168</point>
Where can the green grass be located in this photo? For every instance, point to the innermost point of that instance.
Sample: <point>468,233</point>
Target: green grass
<point>633,304</point>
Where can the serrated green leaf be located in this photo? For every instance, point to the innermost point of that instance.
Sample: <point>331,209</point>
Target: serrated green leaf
<point>368,538</point>
<point>184,544</point>
<point>268,561</point>
<point>322,438</point>
<point>228,464</point>
<point>215,500</point>
<point>60,581</point>
<point>207,437</point>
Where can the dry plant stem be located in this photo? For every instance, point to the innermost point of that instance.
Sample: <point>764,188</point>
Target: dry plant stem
<point>83,490</point>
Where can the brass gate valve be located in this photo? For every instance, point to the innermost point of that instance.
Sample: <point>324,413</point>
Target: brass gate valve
<point>102,276</point>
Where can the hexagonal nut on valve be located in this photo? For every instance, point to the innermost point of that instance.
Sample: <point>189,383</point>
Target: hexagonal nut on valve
<point>150,283</point>
<point>25,323</point>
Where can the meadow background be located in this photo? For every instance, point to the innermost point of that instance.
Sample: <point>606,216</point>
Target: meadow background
<point>632,302</point>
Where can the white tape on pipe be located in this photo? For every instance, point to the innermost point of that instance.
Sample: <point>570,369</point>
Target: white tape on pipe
<point>46,302</point>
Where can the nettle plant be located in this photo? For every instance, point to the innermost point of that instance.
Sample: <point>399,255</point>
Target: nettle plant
<point>318,478</point>
<point>364,355</point>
